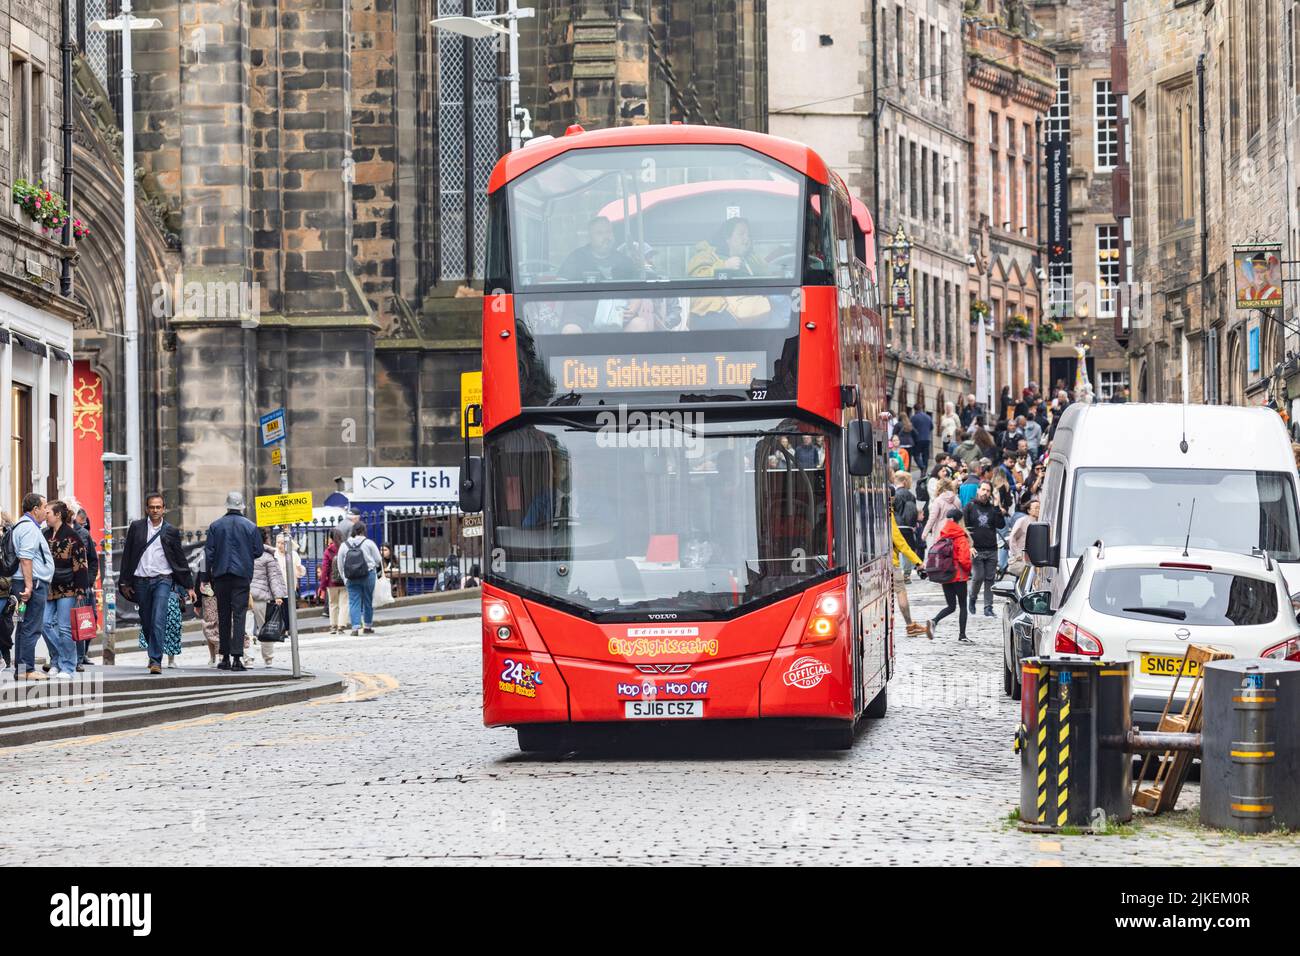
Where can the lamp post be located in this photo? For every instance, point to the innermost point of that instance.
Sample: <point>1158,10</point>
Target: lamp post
<point>480,28</point>
<point>127,24</point>
<point>106,569</point>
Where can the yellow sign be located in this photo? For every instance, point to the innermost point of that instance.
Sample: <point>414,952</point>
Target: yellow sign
<point>276,455</point>
<point>471,393</point>
<point>283,509</point>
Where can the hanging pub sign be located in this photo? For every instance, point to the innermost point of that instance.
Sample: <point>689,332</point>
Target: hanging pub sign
<point>902,282</point>
<point>1258,268</point>
<point>1058,201</point>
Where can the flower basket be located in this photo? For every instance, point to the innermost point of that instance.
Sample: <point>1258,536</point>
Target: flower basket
<point>43,207</point>
<point>1049,332</point>
<point>979,310</point>
<point>1018,327</point>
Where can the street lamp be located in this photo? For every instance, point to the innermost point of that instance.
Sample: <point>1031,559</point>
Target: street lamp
<point>106,581</point>
<point>480,28</point>
<point>128,24</point>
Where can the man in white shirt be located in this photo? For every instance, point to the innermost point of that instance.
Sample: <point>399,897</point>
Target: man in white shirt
<point>153,566</point>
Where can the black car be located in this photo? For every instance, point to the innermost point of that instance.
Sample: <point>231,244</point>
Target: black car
<point>1019,629</point>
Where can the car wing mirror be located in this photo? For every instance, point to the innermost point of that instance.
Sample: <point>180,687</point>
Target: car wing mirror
<point>1037,602</point>
<point>1038,545</point>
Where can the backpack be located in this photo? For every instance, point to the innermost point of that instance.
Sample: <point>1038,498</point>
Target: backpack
<point>336,572</point>
<point>905,508</point>
<point>355,566</point>
<point>940,565</point>
<point>8,553</point>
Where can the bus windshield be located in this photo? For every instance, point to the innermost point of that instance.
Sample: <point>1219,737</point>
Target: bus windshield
<point>659,510</point>
<point>1236,511</point>
<point>697,214</point>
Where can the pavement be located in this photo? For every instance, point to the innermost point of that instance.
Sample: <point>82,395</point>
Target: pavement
<point>420,609</point>
<point>399,769</point>
<point>103,700</point>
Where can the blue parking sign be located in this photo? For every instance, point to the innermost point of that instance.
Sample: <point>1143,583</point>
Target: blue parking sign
<point>272,427</point>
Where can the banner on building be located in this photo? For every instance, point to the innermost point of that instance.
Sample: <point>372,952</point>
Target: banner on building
<point>1258,269</point>
<point>1058,201</point>
<point>88,443</point>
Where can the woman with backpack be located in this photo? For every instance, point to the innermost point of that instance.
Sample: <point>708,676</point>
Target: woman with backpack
<point>949,564</point>
<point>333,583</point>
<point>359,561</point>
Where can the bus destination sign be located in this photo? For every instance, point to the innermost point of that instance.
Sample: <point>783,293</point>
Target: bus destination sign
<point>692,371</point>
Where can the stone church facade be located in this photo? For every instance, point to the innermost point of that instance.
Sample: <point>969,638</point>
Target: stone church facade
<point>311,209</point>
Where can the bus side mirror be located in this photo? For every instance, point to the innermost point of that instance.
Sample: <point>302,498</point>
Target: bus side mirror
<point>861,459</point>
<point>1038,545</point>
<point>471,486</point>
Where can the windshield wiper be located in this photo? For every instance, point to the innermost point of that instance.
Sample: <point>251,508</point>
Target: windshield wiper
<point>1159,612</point>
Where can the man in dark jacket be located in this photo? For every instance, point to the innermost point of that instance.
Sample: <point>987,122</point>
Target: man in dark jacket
<point>983,520</point>
<point>233,545</point>
<point>923,426</point>
<point>153,566</point>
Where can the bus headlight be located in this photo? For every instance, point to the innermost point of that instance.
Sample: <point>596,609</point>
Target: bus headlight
<point>499,623</point>
<point>828,618</point>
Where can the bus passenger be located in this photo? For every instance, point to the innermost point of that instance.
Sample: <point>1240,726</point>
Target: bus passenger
<point>737,260</point>
<point>598,260</point>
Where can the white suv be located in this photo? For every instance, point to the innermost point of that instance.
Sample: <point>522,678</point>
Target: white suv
<point>1147,604</point>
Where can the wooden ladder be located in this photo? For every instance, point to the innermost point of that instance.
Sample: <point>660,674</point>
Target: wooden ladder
<point>1161,793</point>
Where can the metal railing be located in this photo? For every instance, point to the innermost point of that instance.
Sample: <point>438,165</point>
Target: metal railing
<point>420,543</point>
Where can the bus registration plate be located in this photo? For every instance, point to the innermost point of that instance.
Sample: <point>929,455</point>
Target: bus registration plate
<point>662,709</point>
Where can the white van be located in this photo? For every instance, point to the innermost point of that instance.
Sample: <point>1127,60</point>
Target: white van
<point>1219,477</point>
<point>1215,477</point>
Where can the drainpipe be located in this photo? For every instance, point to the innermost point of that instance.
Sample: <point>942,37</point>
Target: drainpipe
<point>65,277</point>
<point>1205,222</point>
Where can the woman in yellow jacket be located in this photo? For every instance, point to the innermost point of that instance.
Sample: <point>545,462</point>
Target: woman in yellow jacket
<point>900,587</point>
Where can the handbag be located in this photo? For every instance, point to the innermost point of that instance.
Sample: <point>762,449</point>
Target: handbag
<point>273,627</point>
<point>84,627</point>
<point>383,595</point>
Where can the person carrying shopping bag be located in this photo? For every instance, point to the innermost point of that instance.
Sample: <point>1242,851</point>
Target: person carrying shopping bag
<point>67,587</point>
<point>268,590</point>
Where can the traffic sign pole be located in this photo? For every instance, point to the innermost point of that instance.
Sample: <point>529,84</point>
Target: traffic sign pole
<point>290,565</point>
<point>275,434</point>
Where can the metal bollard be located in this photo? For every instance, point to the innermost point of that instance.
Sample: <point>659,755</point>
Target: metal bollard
<point>1069,707</point>
<point>1250,767</point>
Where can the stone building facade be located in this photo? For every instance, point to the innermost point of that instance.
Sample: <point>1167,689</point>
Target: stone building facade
<point>315,172</point>
<point>922,174</point>
<point>1087,295</point>
<point>1194,197</point>
<point>37,386</point>
<point>1010,84</point>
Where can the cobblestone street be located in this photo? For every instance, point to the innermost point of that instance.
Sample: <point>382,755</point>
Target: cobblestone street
<point>401,769</point>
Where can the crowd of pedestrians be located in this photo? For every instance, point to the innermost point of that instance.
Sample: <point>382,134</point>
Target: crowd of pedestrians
<point>964,493</point>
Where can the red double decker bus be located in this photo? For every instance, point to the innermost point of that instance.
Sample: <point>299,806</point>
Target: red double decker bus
<point>684,496</point>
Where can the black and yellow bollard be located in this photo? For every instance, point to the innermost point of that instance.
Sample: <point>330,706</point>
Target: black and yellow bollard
<point>1067,706</point>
